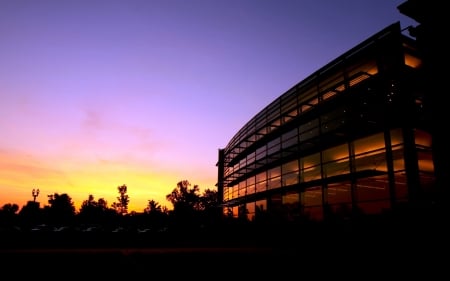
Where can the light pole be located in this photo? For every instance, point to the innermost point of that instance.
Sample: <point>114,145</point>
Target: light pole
<point>35,194</point>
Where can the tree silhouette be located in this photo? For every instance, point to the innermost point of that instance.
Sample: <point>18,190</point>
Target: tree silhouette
<point>187,205</point>
<point>8,214</point>
<point>61,209</point>
<point>95,212</point>
<point>153,207</point>
<point>10,209</point>
<point>123,199</point>
<point>31,214</point>
<point>208,200</point>
<point>155,214</point>
<point>184,198</point>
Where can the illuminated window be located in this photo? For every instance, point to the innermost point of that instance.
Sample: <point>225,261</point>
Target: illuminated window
<point>251,185</point>
<point>310,168</point>
<point>242,188</point>
<point>312,196</point>
<point>336,161</point>
<point>373,188</point>
<point>261,182</point>
<point>290,173</point>
<point>412,61</point>
<point>422,138</point>
<point>338,193</point>
<point>370,153</point>
<point>274,178</point>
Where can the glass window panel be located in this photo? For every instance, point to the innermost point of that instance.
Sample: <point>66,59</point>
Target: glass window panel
<point>398,160</point>
<point>274,176</point>
<point>422,138</point>
<point>336,153</point>
<point>336,161</point>
<point>290,167</point>
<point>309,134</point>
<point>274,182</point>
<point>261,152</point>
<point>374,160</point>
<point>412,61</point>
<point>235,211</point>
<point>289,116</point>
<point>261,133</point>
<point>291,198</point>
<point>290,138</point>
<point>359,70</point>
<point>251,208</point>
<point>338,193</point>
<point>401,188</point>
<point>289,104</point>
<point>260,207</point>
<point>242,188</point>
<point>242,163</point>
<point>290,178</point>
<point>274,124</point>
<point>310,161</point>
<point>396,137</point>
<point>274,172</point>
<point>261,186</point>
<point>273,146</point>
<point>251,189</point>
<point>309,125</point>
<point>373,188</point>
<point>336,168</point>
<point>261,177</point>
<point>331,82</point>
<point>310,168</point>
<point>311,93</point>
<point>370,153</point>
<point>290,173</point>
<point>312,196</point>
<point>251,158</point>
<point>235,193</point>
<point>370,143</point>
<point>426,163</point>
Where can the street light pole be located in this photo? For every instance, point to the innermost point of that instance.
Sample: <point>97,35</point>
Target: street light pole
<point>35,194</point>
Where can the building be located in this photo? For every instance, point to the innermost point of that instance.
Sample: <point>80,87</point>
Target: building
<point>352,138</point>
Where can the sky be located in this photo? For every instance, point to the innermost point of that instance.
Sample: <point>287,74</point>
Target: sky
<point>97,94</point>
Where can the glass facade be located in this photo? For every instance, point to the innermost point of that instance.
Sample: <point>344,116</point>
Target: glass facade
<point>351,138</point>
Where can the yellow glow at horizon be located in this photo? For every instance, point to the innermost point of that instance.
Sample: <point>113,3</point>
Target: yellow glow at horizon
<point>19,176</point>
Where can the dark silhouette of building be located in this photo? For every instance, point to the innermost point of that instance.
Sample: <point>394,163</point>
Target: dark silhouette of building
<point>353,138</point>
<point>430,16</point>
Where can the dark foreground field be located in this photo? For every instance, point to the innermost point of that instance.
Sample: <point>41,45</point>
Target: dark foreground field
<point>363,254</point>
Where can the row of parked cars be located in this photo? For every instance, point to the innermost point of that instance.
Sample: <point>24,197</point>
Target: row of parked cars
<point>45,228</point>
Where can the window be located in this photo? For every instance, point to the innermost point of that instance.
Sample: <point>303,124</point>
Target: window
<point>290,173</point>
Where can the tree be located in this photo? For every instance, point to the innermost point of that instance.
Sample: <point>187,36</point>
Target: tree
<point>155,215</point>
<point>8,214</point>
<point>190,208</point>
<point>10,209</point>
<point>152,207</point>
<point>61,209</point>
<point>95,212</point>
<point>184,198</point>
<point>123,199</point>
<point>31,214</point>
<point>209,200</point>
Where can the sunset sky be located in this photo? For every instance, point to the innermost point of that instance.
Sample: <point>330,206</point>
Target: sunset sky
<point>97,94</point>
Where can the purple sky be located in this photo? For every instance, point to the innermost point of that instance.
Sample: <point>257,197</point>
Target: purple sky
<point>96,94</point>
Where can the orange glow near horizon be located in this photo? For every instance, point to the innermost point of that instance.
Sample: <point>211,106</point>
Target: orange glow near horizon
<point>20,175</point>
